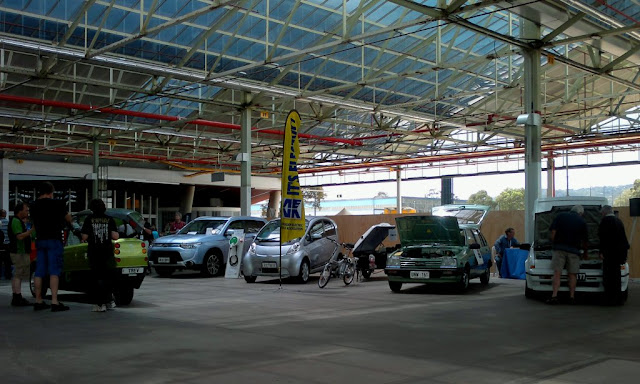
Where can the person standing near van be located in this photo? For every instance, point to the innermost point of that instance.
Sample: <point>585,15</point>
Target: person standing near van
<point>48,217</point>
<point>613,252</point>
<point>505,241</point>
<point>19,249</point>
<point>98,230</point>
<point>569,236</point>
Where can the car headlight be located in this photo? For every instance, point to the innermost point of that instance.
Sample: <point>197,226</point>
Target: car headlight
<point>294,248</point>
<point>189,245</point>
<point>449,262</point>
<point>252,249</point>
<point>393,261</point>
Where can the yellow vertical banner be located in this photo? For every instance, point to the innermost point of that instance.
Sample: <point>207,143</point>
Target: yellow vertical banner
<point>292,206</point>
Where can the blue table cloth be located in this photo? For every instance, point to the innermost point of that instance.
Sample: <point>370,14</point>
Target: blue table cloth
<point>513,264</point>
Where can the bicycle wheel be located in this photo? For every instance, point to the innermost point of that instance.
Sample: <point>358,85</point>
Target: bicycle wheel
<point>349,273</point>
<point>325,276</point>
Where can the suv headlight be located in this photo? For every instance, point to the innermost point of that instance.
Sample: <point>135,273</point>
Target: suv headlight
<point>252,249</point>
<point>294,248</point>
<point>190,245</point>
<point>449,262</point>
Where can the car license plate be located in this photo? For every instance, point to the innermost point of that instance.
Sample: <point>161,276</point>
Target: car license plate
<point>269,264</point>
<point>419,274</point>
<point>164,259</point>
<point>132,271</point>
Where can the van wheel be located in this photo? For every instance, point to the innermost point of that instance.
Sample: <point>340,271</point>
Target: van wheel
<point>212,264</point>
<point>303,276</point>
<point>528,292</point>
<point>395,286</point>
<point>123,294</point>
<point>463,284</point>
<point>484,278</point>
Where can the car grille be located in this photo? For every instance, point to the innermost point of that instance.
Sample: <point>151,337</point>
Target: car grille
<point>420,264</point>
<point>173,255</point>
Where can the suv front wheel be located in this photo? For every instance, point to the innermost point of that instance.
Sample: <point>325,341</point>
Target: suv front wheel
<point>212,264</point>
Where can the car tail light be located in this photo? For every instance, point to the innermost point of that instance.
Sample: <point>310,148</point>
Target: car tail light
<point>144,251</point>
<point>146,259</point>
<point>143,244</point>
<point>117,245</point>
<point>118,259</point>
<point>116,251</point>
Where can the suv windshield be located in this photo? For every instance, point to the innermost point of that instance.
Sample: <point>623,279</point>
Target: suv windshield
<point>199,227</point>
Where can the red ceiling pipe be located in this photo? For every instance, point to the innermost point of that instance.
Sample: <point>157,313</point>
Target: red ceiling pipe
<point>596,142</point>
<point>154,116</point>
<point>85,152</point>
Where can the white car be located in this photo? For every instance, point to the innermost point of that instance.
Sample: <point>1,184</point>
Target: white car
<point>538,264</point>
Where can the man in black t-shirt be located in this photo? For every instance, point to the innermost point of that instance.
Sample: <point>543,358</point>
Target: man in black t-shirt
<point>48,217</point>
<point>98,230</point>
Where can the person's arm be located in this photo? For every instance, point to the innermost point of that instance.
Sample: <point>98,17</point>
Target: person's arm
<point>515,243</point>
<point>86,229</point>
<point>553,235</point>
<point>113,229</point>
<point>16,227</point>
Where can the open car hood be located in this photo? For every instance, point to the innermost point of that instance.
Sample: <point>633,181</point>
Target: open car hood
<point>429,230</point>
<point>468,215</point>
<point>544,219</point>
<point>372,238</point>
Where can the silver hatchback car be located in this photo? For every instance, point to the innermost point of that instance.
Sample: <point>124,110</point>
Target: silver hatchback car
<point>300,257</point>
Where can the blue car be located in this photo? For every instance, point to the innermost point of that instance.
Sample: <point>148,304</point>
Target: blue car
<point>202,245</point>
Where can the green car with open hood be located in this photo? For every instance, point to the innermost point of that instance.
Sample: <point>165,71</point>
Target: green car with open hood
<point>446,247</point>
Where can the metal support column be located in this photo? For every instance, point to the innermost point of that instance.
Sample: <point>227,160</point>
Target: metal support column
<point>245,158</point>
<point>96,166</point>
<point>446,188</point>
<point>4,188</point>
<point>399,190</point>
<point>532,157</point>
<point>274,205</point>
<point>551,176</point>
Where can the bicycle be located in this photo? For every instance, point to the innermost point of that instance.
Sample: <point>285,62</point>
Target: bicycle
<point>341,266</point>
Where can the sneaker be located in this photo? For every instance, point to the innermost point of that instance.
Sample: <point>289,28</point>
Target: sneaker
<point>552,300</point>
<point>111,305</point>
<point>99,308</point>
<point>59,307</point>
<point>19,301</point>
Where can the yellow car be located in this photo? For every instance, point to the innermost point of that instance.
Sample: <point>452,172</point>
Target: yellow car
<point>130,253</point>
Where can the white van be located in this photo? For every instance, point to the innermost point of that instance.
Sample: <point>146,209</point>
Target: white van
<point>538,264</point>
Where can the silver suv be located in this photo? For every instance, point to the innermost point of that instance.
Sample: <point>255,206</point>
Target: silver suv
<point>203,244</point>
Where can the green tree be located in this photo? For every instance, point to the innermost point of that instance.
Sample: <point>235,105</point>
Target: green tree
<point>511,199</point>
<point>482,198</point>
<point>623,199</point>
<point>313,197</point>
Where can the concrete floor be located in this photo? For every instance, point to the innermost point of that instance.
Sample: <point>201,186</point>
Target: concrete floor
<point>188,329</point>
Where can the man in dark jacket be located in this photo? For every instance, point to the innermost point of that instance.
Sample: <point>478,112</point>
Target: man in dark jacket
<point>613,252</point>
